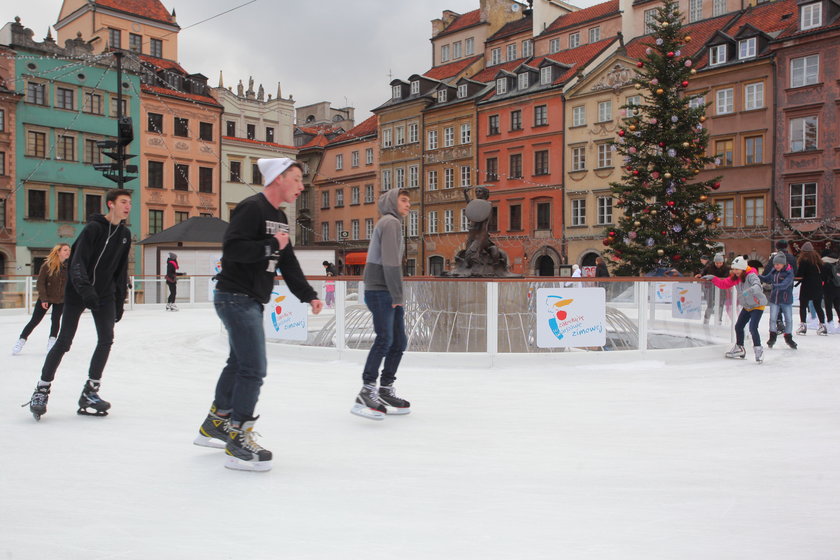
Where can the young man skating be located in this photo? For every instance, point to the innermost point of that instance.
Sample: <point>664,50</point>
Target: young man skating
<point>97,280</point>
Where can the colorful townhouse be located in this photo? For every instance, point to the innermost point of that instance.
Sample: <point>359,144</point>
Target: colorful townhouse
<point>8,106</point>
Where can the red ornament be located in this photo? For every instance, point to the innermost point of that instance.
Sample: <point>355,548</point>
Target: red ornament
<point>606,242</point>
<point>635,172</point>
<point>685,83</point>
<point>670,54</point>
<point>716,185</point>
<point>676,257</point>
<point>662,144</point>
<point>640,64</point>
<point>664,233</point>
<point>612,234</point>
<point>621,132</point>
<point>670,203</point>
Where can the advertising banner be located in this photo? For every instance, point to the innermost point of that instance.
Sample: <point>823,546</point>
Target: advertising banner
<point>686,300</point>
<point>285,317</point>
<point>571,317</point>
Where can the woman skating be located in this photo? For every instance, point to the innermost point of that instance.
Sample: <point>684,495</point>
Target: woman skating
<point>809,270</point>
<point>51,281</point>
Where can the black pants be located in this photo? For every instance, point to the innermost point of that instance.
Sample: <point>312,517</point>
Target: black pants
<point>803,308</point>
<point>103,318</point>
<point>38,314</point>
<point>832,300</point>
<point>172,290</point>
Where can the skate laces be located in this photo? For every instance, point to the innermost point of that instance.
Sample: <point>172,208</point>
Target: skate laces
<point>249,441</point>
<point>39,397</point>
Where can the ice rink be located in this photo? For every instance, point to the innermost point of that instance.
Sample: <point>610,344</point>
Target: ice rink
<point>703,458</point>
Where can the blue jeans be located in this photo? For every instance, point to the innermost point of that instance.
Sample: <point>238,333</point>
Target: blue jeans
<point>238,388</point>
<point>390,342</point>
<point>787,312</point>
<point>753,318</point>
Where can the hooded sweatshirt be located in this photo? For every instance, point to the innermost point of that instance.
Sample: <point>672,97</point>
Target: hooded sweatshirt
<point>383,269</point>
<point>747,280</point>
<point>100,261</point>
<point>782,281</point>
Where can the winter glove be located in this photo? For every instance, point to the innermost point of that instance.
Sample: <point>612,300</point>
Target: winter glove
<point>120,307</point>
<point>709,277</point>
<point>90,298</point>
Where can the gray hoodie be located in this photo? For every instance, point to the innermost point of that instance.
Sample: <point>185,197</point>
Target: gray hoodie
<point>383,269</point>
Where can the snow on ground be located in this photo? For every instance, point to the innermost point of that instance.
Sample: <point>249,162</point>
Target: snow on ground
<point>706,458</point>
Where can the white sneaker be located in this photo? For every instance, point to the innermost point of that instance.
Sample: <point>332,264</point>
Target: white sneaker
<point>50,343</point>
<point>18,346</point>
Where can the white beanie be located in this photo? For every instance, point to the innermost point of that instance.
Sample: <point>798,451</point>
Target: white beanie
<point>271,168</point>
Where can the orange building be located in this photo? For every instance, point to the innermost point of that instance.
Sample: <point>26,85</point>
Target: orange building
<point>8,102</point>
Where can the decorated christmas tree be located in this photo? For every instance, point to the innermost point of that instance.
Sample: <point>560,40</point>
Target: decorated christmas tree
<point>668,219</point>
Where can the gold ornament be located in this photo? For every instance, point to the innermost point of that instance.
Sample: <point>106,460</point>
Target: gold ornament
<point>638,86</point>
<point>637,224</point>
<point>717,220</point>
<point>686,144</point>
<point>660,91</point>
<point>696,171</point>
<point>667,175</point>
<point>703,198</point>
<point>698,221</point>
<point>632,127</point>
<point>660,252</point>
<point>664,24</point>
<point>688,38</point>
<point>702,118</point>
<point>653,212</point>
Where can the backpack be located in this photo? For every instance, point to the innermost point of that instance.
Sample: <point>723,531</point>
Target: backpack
<point>835,274</point>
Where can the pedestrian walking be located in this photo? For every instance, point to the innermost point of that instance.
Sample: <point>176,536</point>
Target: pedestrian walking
<point>52,278</point>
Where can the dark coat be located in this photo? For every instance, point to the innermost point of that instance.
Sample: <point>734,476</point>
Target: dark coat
<point>829,289</point>
<point>710,268</point>
<point>51,286</point>
<point>810,280</point>
<point>601,271</point>
<point>172,273</point>
<point>99,265</point>
<point>782,281</point>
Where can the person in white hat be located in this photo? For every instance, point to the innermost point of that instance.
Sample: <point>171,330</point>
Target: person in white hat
<point>256,245</point>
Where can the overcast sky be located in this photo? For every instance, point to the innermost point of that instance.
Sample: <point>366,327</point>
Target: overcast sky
<point>327,50</point>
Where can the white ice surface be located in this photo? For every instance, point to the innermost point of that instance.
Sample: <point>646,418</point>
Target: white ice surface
<point>703,459</point>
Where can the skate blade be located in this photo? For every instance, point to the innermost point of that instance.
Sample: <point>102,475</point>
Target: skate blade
<point>393,411</point>
<point>205,441</point>
<point>254,466</point>
<point>365,412</point>
<point>85,412</point>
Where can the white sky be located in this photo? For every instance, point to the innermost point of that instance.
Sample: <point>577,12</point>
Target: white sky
<point>328,50</point>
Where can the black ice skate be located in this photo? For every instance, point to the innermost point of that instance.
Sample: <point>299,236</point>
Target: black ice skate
<point>89,402</point>
<point>214,431</point>
<point>38,402</point>
<point>789,341</point>
<point>368,404</point>
<point>244,453</point>
<point>772,340</point>
<point>394,404</point>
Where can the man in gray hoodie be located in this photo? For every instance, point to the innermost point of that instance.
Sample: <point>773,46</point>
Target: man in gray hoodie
<point>384,298</point>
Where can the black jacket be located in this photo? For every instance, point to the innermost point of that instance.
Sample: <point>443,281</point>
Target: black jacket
<point>810,281</point>
<point>100,262</point>
<point>251,256</point>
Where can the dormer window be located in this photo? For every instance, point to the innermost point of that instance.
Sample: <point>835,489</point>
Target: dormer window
<point>462,91</point>
<point>441,96</point>
<point>396,92</point>
<point>501,86</point>
<point>717,55</point>
<point>523,80</point>
<point>810,16</point>
<point>545,75</point>
<point>415,87</point>
<point>746,48</point>
<point>495,56</point>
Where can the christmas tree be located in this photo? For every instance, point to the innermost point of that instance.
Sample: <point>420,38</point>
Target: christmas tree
<point>668,219</point>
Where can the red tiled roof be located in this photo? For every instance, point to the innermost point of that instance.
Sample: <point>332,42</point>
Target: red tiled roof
<point>151,9</point>
<point>155,90</point>
<point>767,17</point>
<point>318,142</point>
<point>163,63</point>
<point>462,22</point>
<point>700,32</point>
<point>260,142</point>
<point>512,28</point>
<point>576,58</point>
<point>317,129</point>
<point>451,69</point>
<point>366,128</point>
<point>489,74</point>
<point>573,19</point>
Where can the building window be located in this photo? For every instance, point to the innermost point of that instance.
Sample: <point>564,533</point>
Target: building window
<point>93,204</point>
<point>339,162</point>
<point>64,98</point>
<point>579,158</point>
<point>804,71</point>
<point>368,228</point>
<point>718,8</point>
<point>492,169</point>
<point>466,133</point>
<point>754,96</point>
<point>579,212</point>
<point>466,173</point>
<point>493,124</point>
<point>66,207</point>
<point>723,151</point>
<point>574,40</point>
<point>325,231</point>
<point>541,115</point>
<point>695,10</point>
<point>634,100</point>
<point>386,179</point>
<point>696,102</point>
<point>354,158</point>
<point>354,196</point>
<point>810,16</point>
<point>448,221</point>
<point>604,155</point>
<point>399,135</point>
<point>501,86</point>
<point>368,156</point>
<point>753,150</point>
<point>325,200</point>
<point>205,179</point>
<point>354,229</point>
<point>123,110</point>
<point>2,164</point>
<point>803,134</point>
<point>545,75</point>
<point>594,34</point>
<point>457,51</point>
<point>441,96</point>
<point>114,38</point>
<point>516,120</point>
<point>544,216</point>
<point>414,87</point>
<point>413,176</point>
<point>413,135</point>
<point>726,211</point>
<point>495,56</point>
<point>339,198</point>
<point>444,53</point>
<point>269,134</point>
<point>387,138</point>
<point>432,139</point>
<point>469,46</point>
<point>182,127</point>
<point>527,48</point>
<point>396,92</point>
<point>339,230</point>
<point>605,210</point>
<point>2,120</point>
<point>522,80</point>
<point>230,129</point>
<point>181,216</point>
<point>515,217</point>
<point>511,52</point>
<point>605,111</point>
<point>433,222</point>
<point>235,171</point>
<point>93,153</point>
<point>36,207</point>
<point>746,48</point>
<point>155,169</point>
<point>725,101</point>
<point>541,162</point>
<point>155,123</point>
<point>465,223</point>
<point>579,115</point>
<point>493,224</point>
<point>515,166</point>
<point>93,103</point>
<point>36,144</point>
<point>251,131</point>
<point>413,223</point>
<point>717,55</point>
<point>754,211</point>
<point>156,48</point>
<point>36,93</point>
<point>205,131</point>
<point>182,177</point>
<point>650,20</point>
<point>448,178</point>
<point>155,221</point>
<point>803,200</point>
<point>432,180</point>
<point>135,42</point>
<point>65,148</point>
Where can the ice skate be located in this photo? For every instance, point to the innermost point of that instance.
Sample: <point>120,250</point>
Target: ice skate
<point>759,354</point>
<point>89,402</point>
<point>789,341</point>
<point>368,404</point>
<point>50,343</point>
<point>803,329</point>
<point>214,431</point>
<point>244,453</point>
<point>821,330</point>
<point>18,346</point>
<point>737,352</point>
<point>772,340</point>
<point>38,402</point>
<point>393,404</point>
<point>173,307</point>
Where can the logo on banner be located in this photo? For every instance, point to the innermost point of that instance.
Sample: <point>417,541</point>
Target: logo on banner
<point>285,317</point>
<point>571,317</point>
<point>686,301</point>
<point>558,322</point>
<point>277,312</point>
